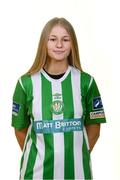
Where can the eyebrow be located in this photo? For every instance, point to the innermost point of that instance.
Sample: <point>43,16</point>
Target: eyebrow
<point>63,36</point>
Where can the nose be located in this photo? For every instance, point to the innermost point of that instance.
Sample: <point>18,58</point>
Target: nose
<point>59,44</point>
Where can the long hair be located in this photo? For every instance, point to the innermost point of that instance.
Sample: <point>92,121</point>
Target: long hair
<point>41,55</point>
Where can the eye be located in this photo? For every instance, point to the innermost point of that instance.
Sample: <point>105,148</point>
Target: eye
<point>66,40</point>
<point>52,39</point>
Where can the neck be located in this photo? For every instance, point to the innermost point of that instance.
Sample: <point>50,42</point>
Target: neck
<point>57,67</point>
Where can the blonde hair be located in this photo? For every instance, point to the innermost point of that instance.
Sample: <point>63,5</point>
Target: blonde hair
<point>41,55</point>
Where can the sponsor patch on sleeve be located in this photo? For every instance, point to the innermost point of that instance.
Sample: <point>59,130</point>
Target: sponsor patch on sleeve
<point>15,108</point>
<point>97,103</point>
<point>97,114</point>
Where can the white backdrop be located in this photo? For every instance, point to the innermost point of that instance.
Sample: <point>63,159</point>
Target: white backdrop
<point>97,28</point>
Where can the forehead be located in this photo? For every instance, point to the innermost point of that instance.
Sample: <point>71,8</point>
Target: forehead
<point>59,30</point>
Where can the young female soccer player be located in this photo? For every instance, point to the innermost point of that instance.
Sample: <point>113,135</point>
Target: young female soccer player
<point>57,109</point>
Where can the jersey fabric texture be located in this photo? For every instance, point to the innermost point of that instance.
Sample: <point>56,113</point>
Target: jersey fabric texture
<point>56,112</point>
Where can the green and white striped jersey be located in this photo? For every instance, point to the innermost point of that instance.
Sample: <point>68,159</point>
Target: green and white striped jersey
<point>56,112</point>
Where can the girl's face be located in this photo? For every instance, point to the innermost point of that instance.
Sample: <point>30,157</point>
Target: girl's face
<point>59,43</point>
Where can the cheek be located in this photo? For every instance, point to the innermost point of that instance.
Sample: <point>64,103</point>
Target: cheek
<point>49,46</point>
<point>68,52</point>
<point>49,49</point>
<point>68,48</point>
<point>49,52</point>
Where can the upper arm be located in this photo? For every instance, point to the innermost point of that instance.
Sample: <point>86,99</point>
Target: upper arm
<point>20,117</point>
<point>94,108</point>
<point>93,129</point>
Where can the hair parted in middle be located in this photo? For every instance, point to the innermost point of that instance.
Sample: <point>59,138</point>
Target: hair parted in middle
<point>42,56</point>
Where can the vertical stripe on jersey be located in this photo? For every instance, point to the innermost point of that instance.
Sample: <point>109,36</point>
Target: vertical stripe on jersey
<point>86,161</point>
<point>32,156</point>
<point>25,144</point>
<point>85,148</point>
<point>37,113</point>
<point>25,155</point>
<point>68,136</point>
<point>28,141</point>
<point>58,139</point>
<point>29,173</point>
<point>48,138</point>
<point>78,135</point>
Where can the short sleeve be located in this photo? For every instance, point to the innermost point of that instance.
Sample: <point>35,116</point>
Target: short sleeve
<point>94,107</point>
<point>20,117</point>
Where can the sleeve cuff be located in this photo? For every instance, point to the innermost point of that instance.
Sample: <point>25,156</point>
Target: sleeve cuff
<point>95,121</point>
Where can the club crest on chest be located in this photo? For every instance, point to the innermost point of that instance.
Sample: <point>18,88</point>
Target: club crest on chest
<point>57,105</point>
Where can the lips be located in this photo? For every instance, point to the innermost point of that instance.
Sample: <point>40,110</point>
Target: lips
<point>58,52</point>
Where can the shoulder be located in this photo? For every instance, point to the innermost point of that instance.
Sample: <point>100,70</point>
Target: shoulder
<point>85,80</point>
<point>84,75</point>
<point>25,82</point>
<point>25,79</point>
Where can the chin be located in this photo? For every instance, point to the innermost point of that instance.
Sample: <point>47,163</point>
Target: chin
<point>59,58</point>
